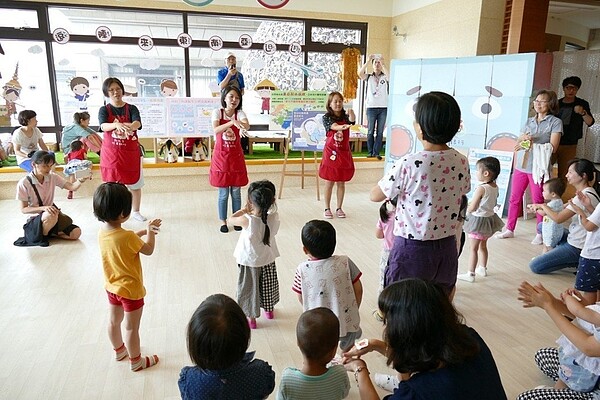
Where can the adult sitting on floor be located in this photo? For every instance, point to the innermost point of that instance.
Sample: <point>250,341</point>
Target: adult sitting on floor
<point>36,194</point>
<point>583,176</point>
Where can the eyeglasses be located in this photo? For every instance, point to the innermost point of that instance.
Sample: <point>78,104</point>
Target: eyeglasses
<point>541,101</point>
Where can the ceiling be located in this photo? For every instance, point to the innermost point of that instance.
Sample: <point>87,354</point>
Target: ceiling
<point>582,12</point>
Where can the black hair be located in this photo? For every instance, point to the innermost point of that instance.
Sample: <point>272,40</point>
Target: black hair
<point>491,165</point>
<point>43,157</point>
<point>462,212</point>
<point>226,91</point>
<point>552,100</point>
<point>422,327</point>
<point>587,170</point>
<point>109,81</point>
<point>318,333</point>
<point>335,118</point>
<point>261,194</point>
<point>556,185</point>
<point>384,214</point>
<point>25,116</point>
<point>571,80</point>
<point>80,116</point>
<point>218,334</point>
<point>319,238</point>
<point>438,115</point>
<point>76,145</point>
<point>111,201</point>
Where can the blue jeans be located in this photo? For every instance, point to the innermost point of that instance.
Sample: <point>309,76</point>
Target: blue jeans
<point>562,256</point>
<point>375,115</point>
<point>236,200</point>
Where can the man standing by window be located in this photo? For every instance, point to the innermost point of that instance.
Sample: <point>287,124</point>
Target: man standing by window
<point>229,75</point>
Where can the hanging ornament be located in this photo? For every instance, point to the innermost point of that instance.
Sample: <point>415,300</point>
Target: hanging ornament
<point>349,72</point>
<point>198,3</point>
<point>272,4</point>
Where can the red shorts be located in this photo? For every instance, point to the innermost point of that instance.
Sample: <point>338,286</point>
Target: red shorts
<point>127,304</point>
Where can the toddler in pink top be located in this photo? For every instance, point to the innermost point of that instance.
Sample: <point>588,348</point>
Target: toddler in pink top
<point>385,231</point>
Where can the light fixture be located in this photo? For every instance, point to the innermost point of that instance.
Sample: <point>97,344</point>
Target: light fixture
<point>398,34</point>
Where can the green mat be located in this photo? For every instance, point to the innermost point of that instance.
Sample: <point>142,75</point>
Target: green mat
<point>260,152</point>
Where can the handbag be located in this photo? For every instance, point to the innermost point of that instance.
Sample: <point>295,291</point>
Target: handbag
<point>64,221</point>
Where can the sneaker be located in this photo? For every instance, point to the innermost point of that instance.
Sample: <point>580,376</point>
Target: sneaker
<point>138,217</point>
<point>327,213</point>
<point>340,213</point>
<point>237,228</point>
<point>269,314</point>
<point>386,382</point>
<point>379,157</point>
<point>467,277</point>
<point>224,229</point>
<point>505,235</point>
<point>481,271</point>
<point>377,315</point>
<point>537,239</point>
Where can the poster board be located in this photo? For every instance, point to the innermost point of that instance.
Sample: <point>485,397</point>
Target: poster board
<point>284,103</point>
<point>308,132</point>
<point>175,116</point>
<point>506,162</point>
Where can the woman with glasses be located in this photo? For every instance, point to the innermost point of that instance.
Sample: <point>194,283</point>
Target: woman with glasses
<point>542,128</point>
<point>120,157</point>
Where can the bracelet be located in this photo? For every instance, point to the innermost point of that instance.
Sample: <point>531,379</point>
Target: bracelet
<point>358,371</point>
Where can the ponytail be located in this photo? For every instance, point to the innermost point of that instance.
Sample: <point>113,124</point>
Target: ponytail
<point>262,195</point>
<point>586,167</point>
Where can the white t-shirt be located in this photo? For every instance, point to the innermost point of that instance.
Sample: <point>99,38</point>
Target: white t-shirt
<point>577,233</point>
<point>329,283</point>
<point>216,115</point>
<point>429,186</point>
<point>377,91</point>
<point>591,248</point>
<point>28,144</point>
<point>250,249</point>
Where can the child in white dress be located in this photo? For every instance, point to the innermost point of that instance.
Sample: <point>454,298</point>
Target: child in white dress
<point>256,251</point>
<point>482,221</point>
<point>552,232</point>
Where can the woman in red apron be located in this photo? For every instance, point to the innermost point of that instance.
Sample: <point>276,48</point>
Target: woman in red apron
<point>337,165</point>
<point>227,165</point>
<point>120,156</point>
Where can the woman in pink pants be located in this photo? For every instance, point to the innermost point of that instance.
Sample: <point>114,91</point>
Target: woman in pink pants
<point>542,128</point>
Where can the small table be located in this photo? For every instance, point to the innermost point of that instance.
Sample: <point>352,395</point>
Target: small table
<point>267,137</point>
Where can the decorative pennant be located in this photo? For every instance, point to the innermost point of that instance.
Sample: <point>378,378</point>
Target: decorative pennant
<point>103,34</point>
<point>184,40</point>
<point>145,43</point>
<point>61,35</point>
<point>245,41</point>
<point>215,43</point>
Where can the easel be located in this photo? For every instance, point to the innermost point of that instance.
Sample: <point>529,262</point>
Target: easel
<point>302,173</point>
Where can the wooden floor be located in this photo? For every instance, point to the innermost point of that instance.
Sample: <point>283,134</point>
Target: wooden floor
<point>53,316</point>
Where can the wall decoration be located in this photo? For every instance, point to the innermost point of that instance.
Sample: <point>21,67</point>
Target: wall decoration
<point>273,4</point>
<point>349,70</point>
<point>264,89</point>
<point>11,92</point>
<point>215,43</point>
<point>198,3</point>
<point>270,47</point>
<point>184,40</point>
<point>145,43</point>
<point>80,87</point>
<point>168,88</point>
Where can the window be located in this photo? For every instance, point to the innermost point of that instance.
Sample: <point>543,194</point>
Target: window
<point>25,83</point>
<point>16,18</point>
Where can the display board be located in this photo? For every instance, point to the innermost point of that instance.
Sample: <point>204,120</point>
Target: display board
<point>308,132</point>
<point>175,116</point>
<point>284,103</point>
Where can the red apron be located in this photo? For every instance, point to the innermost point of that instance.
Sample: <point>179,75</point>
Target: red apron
<point>227,165</point>
<point>337,164</point>
<point>120,155</point>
